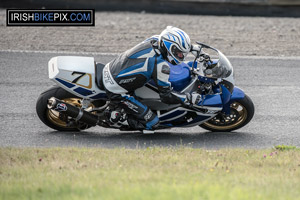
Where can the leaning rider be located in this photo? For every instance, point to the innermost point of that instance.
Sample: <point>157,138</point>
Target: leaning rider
<point>150,59</point>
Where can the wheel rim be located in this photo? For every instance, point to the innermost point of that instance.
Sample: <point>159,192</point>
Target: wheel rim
<point>238,115</point>
<point>54,116</point>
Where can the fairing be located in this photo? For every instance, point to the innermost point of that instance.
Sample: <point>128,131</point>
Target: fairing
<point>76,75</point>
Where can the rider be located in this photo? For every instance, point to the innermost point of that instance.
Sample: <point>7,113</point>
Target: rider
<point>151,59</point>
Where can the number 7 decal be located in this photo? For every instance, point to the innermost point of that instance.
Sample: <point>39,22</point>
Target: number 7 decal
<point>82,74</point>
<point>77,78</point>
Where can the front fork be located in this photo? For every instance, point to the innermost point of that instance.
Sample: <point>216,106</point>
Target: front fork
<point>228,98</point>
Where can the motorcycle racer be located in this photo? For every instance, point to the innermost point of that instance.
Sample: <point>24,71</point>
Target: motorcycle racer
<point>150,59</point>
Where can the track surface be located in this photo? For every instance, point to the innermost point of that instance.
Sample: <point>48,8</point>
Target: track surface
<point>272,83</point>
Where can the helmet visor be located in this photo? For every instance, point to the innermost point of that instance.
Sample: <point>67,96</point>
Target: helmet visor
<point>179,55</point>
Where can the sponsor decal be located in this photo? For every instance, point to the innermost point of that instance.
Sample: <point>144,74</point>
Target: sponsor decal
<point>148,115</point>
<point>61,107</point>
<point>211,111</point>
<point>107,78</point>
<point>131,106</point>
<point>124,81</point>
<point>48,17</point>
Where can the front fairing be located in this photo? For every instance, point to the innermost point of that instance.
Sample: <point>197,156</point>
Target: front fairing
<point>219,73</point>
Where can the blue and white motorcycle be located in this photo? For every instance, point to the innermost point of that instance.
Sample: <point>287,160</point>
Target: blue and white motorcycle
<point>78,102</point>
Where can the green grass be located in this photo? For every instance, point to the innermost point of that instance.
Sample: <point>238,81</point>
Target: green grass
<point>284,147</point>
<point>153,173</point>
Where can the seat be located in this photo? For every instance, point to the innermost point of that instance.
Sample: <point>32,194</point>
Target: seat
<point>98,73</point>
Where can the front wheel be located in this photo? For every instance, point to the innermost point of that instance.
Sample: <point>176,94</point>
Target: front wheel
<point>241,113</point>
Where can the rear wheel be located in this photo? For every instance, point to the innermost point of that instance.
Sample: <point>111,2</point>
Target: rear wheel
<point>54,119</point>
<point>241,113</point>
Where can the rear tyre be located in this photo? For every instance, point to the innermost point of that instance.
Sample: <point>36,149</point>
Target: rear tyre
<point>241,113</point>
<point>54,119</point>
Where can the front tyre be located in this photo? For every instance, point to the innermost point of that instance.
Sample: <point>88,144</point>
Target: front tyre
<point>241,113</point>
<point>54,119</point>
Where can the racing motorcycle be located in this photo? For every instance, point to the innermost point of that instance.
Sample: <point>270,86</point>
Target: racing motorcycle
<point>80,102</point>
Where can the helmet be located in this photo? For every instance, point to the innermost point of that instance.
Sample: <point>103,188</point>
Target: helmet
<point>174,44</point>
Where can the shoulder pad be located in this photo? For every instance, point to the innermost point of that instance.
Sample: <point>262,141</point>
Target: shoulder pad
<point>165,69</point>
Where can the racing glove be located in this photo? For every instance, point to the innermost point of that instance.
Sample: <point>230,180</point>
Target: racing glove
<point>196,48</point>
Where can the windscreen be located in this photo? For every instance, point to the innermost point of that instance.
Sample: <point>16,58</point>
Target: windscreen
<point>218,68</point>
<point>224,68</point>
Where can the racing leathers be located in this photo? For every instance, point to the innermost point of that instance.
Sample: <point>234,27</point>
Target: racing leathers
<point>133,69</point>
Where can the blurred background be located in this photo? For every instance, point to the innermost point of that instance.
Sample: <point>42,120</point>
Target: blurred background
<point>289,8</point>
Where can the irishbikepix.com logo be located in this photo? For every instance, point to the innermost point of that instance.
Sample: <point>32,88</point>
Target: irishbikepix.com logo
<point>45,17</point>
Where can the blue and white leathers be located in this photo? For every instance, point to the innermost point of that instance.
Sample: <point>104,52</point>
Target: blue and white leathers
<point>132,70</point>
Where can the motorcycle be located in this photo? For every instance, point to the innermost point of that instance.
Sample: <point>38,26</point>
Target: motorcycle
<point>80,102</point>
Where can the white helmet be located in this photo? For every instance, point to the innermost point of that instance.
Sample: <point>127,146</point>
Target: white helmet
<point>175,44</point>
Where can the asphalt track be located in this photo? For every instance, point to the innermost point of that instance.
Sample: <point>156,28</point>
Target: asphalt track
<point>272,83</point>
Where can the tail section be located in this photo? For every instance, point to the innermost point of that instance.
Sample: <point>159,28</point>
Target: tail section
<point>76,75</point>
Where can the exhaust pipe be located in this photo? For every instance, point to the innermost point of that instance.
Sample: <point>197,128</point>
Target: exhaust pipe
<point>72,111</point>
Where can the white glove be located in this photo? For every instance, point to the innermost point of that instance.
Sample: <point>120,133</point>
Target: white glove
<point>195,49</point>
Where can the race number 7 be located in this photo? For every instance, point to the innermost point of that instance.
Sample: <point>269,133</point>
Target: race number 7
<point>81,74</point>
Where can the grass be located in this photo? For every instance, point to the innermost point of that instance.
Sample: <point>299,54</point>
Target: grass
<point>153,173</point>
<point>284,147</point>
